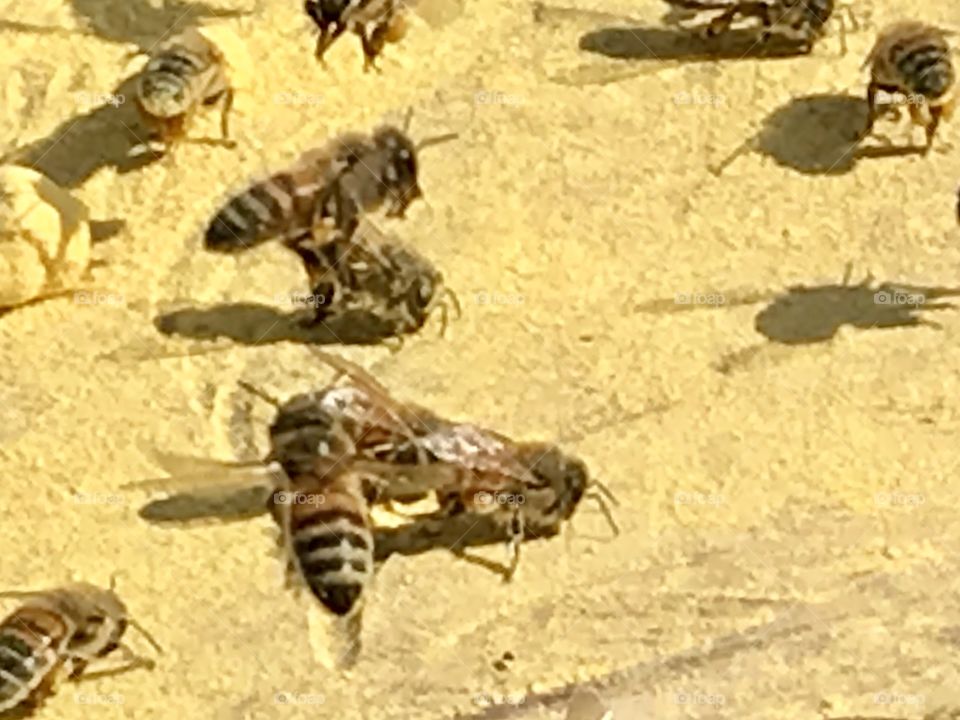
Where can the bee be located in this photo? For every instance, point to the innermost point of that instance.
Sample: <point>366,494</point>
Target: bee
<point>802,21</point>
<point>912,59</point>
<point>185,72</point>
<point>373,280</point>
<point>327,189</point>
<point>470,469</point>
<point>60,631</point>
<point>376,22</point>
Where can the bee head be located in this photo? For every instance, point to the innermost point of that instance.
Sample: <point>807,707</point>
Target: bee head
<point>160,95</point>
<point>101,618</point>
<point>565,474</point>
<point>399,174</point>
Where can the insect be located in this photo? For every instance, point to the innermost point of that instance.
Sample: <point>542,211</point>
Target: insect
<point>327,189</point>
<point>798,20</point>
<point>376,22</point>
<point>60,631</point>
<point>471,469</point>
<point>373,280</point>
<point>912,60</point>
<point>185,72</point>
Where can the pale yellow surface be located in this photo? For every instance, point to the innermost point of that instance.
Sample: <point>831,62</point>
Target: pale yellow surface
<point>789,526</point>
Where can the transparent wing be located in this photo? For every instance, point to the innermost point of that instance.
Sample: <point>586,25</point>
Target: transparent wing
<point>203,488</point>
<point>189,473</point>
<point>437,13</point>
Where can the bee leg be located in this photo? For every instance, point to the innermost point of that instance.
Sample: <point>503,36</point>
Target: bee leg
<point>935,114</point>
<point>327,39</point>
<point>513,547</point>
<point>227,101</point>
<point>372,44</point>
<point>721,23</point>
<point>872,91</point>
<point>131,661</point>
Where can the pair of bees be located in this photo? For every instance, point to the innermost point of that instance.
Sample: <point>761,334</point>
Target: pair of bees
<point>187,71</point>
<point>337,452</point>
<point>65,631</point>
<point>910,61</point>
<point>315,208</point>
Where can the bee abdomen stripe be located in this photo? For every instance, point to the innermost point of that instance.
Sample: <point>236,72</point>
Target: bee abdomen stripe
<point>333,520</point>
<point>307,542</point>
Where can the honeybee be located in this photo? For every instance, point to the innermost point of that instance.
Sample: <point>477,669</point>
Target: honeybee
<point>327,189</point>
<point>470,469</point>
<point>376,22</point>
<point>912,59</point>
<point>802,21</point>
<point>373,281</point>
<point>185,72</point>
<point>56,632</point>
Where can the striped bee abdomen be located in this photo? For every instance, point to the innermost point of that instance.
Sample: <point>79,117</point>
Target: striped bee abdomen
<point>31,641</point>
<point>926,67</point>
<point>282,206</point>
<point>331,538</point>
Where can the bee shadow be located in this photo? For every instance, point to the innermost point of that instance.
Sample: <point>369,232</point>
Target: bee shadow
<point>659,43</point>
<point>254,324</point>
<point>83,144</point>
<point>819,135</point>
<point>419,534</point>
<point>142,23</point>
<point>807,315</point>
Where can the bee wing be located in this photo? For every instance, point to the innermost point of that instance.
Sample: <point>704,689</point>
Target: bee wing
<point>197,474</point>
<point>394,480</point>
<point>437,13</point>
<point>202,488</point>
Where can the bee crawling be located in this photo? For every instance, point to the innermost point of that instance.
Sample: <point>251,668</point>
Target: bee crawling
<point>373,280</point>
<point>911,61</point>
<point>802,21</point>
<point>327,190</point>
<point>184,72</point>
<point>376,22</point>
<point>60,632</point>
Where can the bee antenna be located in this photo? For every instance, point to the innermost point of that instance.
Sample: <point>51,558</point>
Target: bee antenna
<point>606,492</point>
<point>605,509</point>
<point>407,120</point>
<point>436,140</point>
<point>262,394</point>
<point>143,631</point>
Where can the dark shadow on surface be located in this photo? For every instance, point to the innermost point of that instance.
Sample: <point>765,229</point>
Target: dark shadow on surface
<point>807,315</point>
<point>815,134</point>
<point>418,534</point>
<point>660,43</point>
<point>86,143</point>
<point>253,324</point>
<point>140,23</point>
